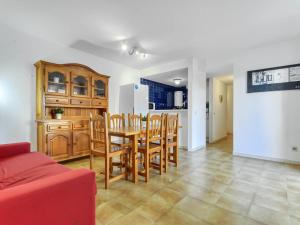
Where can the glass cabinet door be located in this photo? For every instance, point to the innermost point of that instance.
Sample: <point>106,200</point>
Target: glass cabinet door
<point>57,82</point>
<point>99,88</point>
<point>80,86</point>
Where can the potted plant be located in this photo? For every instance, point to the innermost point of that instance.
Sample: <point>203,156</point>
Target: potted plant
<point>144,121</point>
<point>58,113</point>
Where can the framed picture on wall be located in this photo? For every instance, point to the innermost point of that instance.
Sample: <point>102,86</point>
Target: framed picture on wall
<point>274,79</point>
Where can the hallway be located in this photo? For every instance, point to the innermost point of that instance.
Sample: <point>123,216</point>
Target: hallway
<point>224,145</point>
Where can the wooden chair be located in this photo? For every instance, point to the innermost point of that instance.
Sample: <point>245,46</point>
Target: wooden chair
<point>170,140</point>
<point>118,121</point>
<point>135,120</point>
<point>100,146</point>
<point>153,145</point>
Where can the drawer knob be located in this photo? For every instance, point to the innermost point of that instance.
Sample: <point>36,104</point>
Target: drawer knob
<point>57,100</point>
<point>59,127</point>
<point>81,102</point>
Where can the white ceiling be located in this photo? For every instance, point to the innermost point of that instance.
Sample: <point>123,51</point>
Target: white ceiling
<point>168,77</point>
<point>168,29</point>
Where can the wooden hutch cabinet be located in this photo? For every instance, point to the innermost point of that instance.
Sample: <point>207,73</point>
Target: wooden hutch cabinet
<point>77,89</point>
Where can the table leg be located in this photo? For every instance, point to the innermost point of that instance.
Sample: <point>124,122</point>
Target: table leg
<point>134,159</point>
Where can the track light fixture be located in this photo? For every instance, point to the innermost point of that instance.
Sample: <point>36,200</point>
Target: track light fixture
<point>134,51</point>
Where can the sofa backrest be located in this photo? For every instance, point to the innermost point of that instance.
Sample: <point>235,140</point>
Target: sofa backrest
<point>14,149</point>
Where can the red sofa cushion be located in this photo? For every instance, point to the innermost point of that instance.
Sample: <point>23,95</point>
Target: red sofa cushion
<point>24,168</point>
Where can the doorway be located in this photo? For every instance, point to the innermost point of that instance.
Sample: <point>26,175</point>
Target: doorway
<point>219,113</point>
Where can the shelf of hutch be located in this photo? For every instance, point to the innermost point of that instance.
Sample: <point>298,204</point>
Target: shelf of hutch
<point>78,89</point>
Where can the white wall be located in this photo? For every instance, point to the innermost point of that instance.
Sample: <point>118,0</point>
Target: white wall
<point>207,100</point>
<point>196,104</point>
<point>229,108</point>
<point>266,124</point>
<point>219,110</point>
<point>19,52</point>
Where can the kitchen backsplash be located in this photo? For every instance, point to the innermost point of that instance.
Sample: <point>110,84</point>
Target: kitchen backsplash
<point>163,95</point>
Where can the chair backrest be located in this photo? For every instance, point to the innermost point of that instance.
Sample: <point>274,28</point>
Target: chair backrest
<point>171,125</point>
<point>135,120</point>
<point>99,132</point>
<point>154,128</point>
<point>116,120</point>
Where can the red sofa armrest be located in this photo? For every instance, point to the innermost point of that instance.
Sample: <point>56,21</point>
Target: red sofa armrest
<point>65,199</point>
<point>14,149</point>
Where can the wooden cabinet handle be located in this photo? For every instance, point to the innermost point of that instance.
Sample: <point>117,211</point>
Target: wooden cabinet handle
<point>81,102</point>
<point>59,127</point>
<point>57,100</point>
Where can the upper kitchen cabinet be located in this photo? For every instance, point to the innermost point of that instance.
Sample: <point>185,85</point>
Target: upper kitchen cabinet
<point>57,81</point>
<point>100,87</point>
<point>80,84</point>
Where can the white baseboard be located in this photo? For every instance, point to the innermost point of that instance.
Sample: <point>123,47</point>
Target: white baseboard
<point>267,158</point>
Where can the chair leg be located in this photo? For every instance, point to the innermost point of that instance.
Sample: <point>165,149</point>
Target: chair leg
<point>91,161</point>
<point>121,163</point>
<point>175,149</point>
<point>161,161</point>
<point>126,166</point>
<point>107,170</point>
<point>146,157</point>
<point>166,152</point>
<point>110,165</point>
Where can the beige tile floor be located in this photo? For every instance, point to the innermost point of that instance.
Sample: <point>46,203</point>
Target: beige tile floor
<point>225,145</point>
<point>208,187</point>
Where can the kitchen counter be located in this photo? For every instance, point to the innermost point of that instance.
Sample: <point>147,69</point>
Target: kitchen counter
<point>169,110</point>
<point>183,122</point>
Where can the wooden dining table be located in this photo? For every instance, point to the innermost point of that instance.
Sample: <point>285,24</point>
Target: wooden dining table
<point>133,133</point>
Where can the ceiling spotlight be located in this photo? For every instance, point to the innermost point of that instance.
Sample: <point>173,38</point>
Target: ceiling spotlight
<point>124,47</point>
<point>177,81</point>
<point>134,51</point>
<point>144,56</point>
<point>131,51</point>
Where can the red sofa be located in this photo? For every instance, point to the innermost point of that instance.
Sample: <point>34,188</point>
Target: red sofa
<point>35,190</point>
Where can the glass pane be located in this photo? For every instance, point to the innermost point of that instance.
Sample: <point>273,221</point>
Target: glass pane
<point>56,83</point>
<point>80,84</point>
<point>80,81</point>
<point>56,77</point>
<point>99,88</point>
<point>79,90</point>
<point>56,88</point>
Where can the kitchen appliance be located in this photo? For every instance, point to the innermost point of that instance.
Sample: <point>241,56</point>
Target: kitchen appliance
<point>178,99</point>
<point>134,99</point>
<point>151,105</point>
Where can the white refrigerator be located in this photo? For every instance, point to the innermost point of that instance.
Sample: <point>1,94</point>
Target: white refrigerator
<point>134,99</point>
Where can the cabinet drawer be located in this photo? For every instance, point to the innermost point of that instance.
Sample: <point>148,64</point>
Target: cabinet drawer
<point>81,124</point>
<point>57,127</point>
<point>60,101</point>
<point>100,103</point>
<point>83,102</point>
